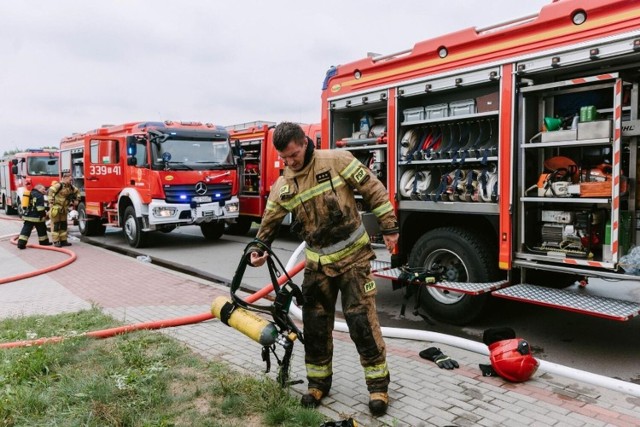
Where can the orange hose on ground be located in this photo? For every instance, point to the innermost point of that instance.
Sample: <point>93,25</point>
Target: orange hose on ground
<point>72,258</point>
<point>158,324</point>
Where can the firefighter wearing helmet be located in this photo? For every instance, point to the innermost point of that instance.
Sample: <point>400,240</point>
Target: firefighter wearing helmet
<point>61,195</point>
<point>318,188</point>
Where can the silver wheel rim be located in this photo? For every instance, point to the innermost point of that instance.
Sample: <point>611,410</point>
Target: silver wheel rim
<point>82,220</point>
<point>130,228</point>
<point>454,270</point>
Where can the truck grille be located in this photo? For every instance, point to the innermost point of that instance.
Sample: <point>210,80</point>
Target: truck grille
<point>184,193</point>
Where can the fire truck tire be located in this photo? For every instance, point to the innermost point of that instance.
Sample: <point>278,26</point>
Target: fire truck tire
<point>133,229</point>
<point>464,257</point>
<point>8,209</point>
<point>212,230</point>
<point>241,226</point>
<point>87,226</point>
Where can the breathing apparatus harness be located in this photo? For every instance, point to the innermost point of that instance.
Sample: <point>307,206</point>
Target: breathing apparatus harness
<point>285,329</point>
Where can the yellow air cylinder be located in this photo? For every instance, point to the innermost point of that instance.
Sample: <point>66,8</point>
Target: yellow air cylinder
<point>25,199</point>
<point>250,324</point>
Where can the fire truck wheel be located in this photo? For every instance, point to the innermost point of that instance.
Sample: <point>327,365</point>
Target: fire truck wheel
<point>133,229</point>
<point>87,226</point>
<point>9,210</point>
<point>240,227</point>
<point>462,256</point>
<point>212,230</point>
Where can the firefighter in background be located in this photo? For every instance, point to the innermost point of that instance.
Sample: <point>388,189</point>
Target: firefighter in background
<point>61,195</point>
<point>318,187</point>
<point>34,216</point>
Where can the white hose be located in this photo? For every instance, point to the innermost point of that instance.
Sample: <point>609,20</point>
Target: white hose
<point>480,348</point>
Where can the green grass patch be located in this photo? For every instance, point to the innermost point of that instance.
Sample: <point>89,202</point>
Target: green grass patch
<point>138,379</point>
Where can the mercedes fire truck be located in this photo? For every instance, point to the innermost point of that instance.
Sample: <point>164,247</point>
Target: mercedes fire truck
<point>259,168</point>
<point>22,171</point>
<point>153,176</point>
<point>511,156</point>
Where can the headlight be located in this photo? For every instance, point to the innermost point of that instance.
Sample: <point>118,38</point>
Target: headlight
<point>231,207</point>
<point>164,212</point>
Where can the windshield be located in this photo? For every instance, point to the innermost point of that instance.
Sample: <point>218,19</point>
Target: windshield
<point>194,153</point>
<point>47,166</point>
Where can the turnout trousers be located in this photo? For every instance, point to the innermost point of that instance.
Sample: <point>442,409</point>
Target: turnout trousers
<point>59,226</point>
<point>358,292</point>
<point>27,227</point>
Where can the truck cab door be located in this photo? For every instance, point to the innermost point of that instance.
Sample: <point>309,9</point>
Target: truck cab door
<point>104,172</point>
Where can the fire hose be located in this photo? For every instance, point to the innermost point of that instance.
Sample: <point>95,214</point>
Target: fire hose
<point>72,258</point>
<point>480,348</point>
<point>292,268</point>
<point>158,324</point>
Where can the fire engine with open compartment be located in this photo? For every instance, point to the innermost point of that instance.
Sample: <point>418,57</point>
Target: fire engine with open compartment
<point>511,156</point>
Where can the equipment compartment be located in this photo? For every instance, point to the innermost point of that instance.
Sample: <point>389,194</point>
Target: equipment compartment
<point>572,179</point>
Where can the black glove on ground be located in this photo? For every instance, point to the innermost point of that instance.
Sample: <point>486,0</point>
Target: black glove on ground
<point>439,358</point>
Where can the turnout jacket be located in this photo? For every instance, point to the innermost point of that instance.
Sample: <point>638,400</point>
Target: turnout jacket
<point>60,196</point>
<point>321,198</point>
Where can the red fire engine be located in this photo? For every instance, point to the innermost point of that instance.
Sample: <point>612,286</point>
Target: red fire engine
<point>22,171</point>
<point>147,176</point>
<point>511,157</point>
<point>260,166</point>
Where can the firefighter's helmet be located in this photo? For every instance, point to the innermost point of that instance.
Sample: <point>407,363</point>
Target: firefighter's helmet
<point>512,359</point>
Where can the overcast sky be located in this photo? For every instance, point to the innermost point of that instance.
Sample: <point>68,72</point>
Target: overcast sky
<point>73,65</point>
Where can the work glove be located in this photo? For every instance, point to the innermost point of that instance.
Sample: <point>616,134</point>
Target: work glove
<point>439,358</point>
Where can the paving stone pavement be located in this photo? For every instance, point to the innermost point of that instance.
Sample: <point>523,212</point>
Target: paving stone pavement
<point>420,393</point>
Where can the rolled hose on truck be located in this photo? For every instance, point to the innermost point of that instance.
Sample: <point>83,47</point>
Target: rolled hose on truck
<point>293,268</point>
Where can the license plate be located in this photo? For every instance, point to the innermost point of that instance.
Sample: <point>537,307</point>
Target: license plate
<point>201,199</point>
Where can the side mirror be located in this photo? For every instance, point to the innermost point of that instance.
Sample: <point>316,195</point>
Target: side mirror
<point>132,161</point>
<point>238,151</point>
<point>132,146</point>
<point>14,161</point>
<point>14,169</point>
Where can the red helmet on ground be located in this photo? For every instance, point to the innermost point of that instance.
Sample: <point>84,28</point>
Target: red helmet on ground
<point>512,359</point>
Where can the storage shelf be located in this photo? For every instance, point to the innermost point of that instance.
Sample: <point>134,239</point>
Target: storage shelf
<point>589,200</point>
<point>451,118</point>
<point>445,161</point>
<point>364,147</point>
<point>573,143</point>
<point>467,207</point>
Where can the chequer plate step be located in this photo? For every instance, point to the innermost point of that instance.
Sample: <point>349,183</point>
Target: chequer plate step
<point>377,265</point>
<point>462,287</point>
<point>593,305</point>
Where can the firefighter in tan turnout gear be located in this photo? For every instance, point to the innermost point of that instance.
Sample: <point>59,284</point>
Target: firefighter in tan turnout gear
<point>318,187</point>
<point>61,195</point>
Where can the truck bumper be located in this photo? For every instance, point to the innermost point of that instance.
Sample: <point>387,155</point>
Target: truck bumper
<point>161,213</point>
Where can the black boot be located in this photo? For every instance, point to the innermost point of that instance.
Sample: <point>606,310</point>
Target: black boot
<point>45,243</point>
<point>312,398</point>
<point>64,243</point>
<point>22,244</point>
<point>378,403</point>
<point>57,244</point>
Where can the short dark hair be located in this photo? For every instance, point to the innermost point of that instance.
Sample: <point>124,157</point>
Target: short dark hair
<point>286,132</point>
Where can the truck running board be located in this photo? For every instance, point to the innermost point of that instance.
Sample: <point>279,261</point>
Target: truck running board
<point>383,270</point>
<point>593,305</point>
